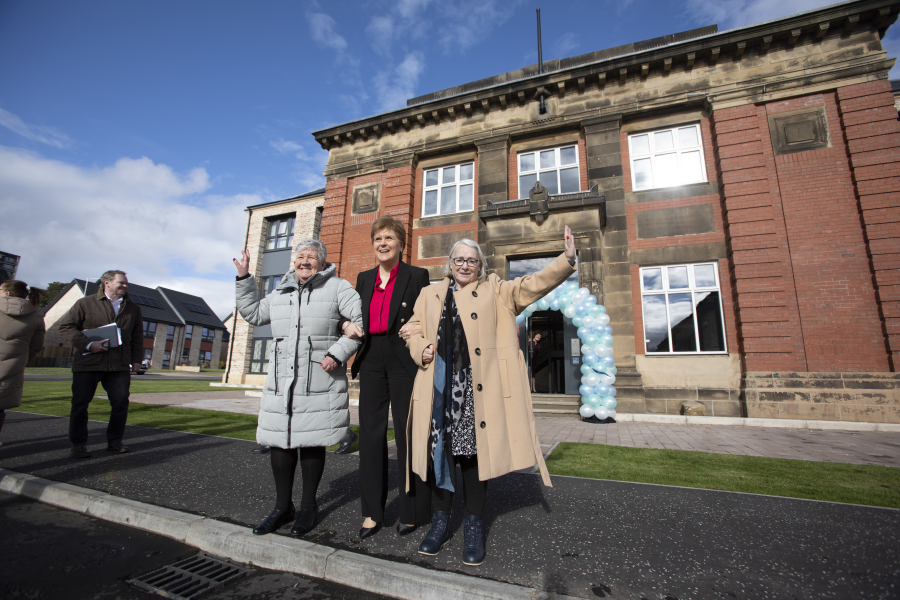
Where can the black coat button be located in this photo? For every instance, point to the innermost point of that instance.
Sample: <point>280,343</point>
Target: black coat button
<point>483,425</point>
<point>475,294</point>
<point>478,351</point>
<point>479,387</point>
<point>474,316</point>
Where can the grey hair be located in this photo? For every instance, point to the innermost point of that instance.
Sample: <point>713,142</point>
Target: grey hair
<point>110,275</point>
<point>316,245</point>
<point>482,270</point>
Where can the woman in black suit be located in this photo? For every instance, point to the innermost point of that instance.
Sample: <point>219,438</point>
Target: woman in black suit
<point>386,376</point>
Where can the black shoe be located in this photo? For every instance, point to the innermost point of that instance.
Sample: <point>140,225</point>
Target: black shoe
<point>79,452</point>
<point>403,529</point>
<point>261,450</point>
<point>473,548</point>
<point>346,443</point>
<point>306,520</point>
<point>277,519</point>
<point>365,532</point>
<point>117,447</point>
<point>438,535</point>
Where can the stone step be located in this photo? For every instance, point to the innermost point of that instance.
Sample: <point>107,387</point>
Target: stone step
<point>547,412</point>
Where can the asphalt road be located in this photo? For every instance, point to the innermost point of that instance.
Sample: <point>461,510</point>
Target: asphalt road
<point>582,537</point>
<point>49,553</point>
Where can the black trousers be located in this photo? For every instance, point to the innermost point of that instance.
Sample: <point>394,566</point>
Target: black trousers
<point>383,383</point>
<point>84,384</point>
<point>474,490</point>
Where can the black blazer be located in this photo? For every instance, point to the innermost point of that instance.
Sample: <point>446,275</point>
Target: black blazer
<point>410,281</point>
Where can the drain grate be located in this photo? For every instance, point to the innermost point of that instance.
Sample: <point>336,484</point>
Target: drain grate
<point>187,579</point>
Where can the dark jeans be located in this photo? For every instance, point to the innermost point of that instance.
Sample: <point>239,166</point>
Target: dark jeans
<point>84,385</point>
<point>474,490</point>
<point>383,383</point>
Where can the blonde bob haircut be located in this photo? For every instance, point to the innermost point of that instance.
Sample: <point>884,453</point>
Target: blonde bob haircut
<point>482,270</point>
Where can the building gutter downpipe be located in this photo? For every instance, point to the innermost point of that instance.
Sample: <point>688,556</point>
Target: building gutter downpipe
<point>234,315</point>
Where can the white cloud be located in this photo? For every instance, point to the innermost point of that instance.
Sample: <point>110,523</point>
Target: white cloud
<point>468,22</point>
<point>736,13</point>
<point>380,32</point>
<point>37,133</point>
<point>395,86</point>
<point>565,46</point>
<point>290,147</point>
<point>162,227</point>
<point>324,31</point>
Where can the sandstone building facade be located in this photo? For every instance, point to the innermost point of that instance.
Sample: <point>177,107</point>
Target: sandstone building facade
<point>735,198</point>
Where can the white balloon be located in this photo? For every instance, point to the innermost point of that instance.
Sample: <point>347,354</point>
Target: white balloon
<point>611,413</point>
<point>601,412</point>
<point>586,411</point>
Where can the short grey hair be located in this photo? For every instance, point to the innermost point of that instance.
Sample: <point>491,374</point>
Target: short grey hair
<point>482,270</point>
<point>316,245</point>
<point>110,275</point>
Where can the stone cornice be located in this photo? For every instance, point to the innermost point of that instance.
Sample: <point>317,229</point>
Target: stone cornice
<point>728,44</point>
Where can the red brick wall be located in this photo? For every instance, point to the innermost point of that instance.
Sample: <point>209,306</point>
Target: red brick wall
<point>871,132</point>
<point>764,292</point>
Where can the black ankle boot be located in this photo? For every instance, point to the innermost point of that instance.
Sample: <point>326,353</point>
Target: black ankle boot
<point>277,519</point>
<point>306,520</point>
<point>438,535</point>
<point>473,550</point>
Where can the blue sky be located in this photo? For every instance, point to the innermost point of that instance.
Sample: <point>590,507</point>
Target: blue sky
<point>133,134</point>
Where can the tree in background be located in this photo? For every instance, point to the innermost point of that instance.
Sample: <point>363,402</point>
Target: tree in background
<point>53,290</point>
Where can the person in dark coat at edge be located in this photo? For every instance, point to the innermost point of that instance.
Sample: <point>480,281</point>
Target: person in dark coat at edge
<point>386,376</point>
<point>96,362</point>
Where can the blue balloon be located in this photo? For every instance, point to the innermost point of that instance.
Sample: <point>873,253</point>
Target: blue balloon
<point>565,301</point>
<point>591,300</point>
<point>578,321</point>
<point>554,304</point>
<point>590,359</point>
<point>612,370</point>
<point>595,311</point>
<point>602,389</point>
<point>607,360</point>
<point>584,400</point>
<point>598,329</point>
<point>586,369</point>
<point>586,390</point>
<point>606,339</point>
<point>610,402</point>
<point>594,400</point>
<point>583,332</point>
<point>543,303</point>
<point>592,340</point>
<point>611,392</point>
<point>581,310</point>
<point>520,319</point>
<point>602,308</point>
<point>600,368</point>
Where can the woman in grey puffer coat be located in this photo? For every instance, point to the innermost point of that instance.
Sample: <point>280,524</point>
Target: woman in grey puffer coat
<point>304,405</point>
<point>21,338</point>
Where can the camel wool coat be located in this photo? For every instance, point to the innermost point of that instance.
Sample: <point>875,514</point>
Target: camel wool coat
<point>504,421</point>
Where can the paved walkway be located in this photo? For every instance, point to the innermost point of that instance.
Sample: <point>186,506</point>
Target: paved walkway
<point>866,448</point>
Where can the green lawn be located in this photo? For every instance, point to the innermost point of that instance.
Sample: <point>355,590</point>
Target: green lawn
<point>835,482</point>
<point>54,398</point>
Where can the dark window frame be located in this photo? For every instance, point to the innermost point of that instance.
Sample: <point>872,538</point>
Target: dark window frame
<point>273,226</point>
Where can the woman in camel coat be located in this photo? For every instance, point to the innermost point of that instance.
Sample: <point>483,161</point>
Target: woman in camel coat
<point>489,386</point>
<point>21,338</point>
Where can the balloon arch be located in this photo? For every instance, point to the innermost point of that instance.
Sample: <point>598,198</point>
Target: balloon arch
<point>598,396</point>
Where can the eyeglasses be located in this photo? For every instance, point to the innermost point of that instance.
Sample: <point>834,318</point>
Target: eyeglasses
<point>472,262</point>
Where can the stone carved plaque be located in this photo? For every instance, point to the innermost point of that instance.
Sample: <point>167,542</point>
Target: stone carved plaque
<point>799,131</point>
<point>366,198</point>
<point>539,199</point>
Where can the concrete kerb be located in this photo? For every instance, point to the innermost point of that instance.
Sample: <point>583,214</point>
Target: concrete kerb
<point>396,579</point>
<point>752,422</point>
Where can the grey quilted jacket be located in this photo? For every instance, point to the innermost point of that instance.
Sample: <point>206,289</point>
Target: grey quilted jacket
<point>302,404</point>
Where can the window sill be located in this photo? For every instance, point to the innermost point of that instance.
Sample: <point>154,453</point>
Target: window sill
<point>669,187</point>
<point>667,354</point>
<point>462,212</point>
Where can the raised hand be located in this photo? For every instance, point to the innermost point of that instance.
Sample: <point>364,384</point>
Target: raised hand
<point>570,244</point>
<point>243,266</point>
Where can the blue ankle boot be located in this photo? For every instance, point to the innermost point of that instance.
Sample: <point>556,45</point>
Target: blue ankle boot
<point>473,552</point>
<point>438,535</point>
